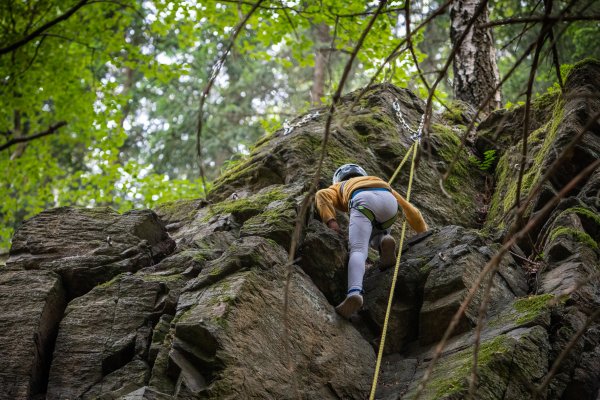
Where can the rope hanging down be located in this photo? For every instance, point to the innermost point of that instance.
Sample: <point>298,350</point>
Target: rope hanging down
<point>416,136</point>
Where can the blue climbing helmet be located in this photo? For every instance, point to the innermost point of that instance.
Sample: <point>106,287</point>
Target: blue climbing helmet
<point>348,171</point>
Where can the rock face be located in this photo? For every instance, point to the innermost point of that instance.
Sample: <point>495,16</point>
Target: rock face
<point>187,302</point>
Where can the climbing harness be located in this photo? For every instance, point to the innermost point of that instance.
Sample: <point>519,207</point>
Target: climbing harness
<point>416,136</point>
<point>369,214</point>
<point>382,226</point>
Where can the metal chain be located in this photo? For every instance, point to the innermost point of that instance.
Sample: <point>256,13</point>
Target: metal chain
<point>415,134</point>
<point>288,128</point>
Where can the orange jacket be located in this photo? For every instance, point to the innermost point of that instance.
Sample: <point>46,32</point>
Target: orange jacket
<point>331,198</point>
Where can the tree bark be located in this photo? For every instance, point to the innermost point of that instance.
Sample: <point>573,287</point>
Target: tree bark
<point>475,70</point>
<point>321,59</point>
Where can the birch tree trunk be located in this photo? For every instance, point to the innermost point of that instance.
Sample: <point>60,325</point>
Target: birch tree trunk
<point>475,70</point>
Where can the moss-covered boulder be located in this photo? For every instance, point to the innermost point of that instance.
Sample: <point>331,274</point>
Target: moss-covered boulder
<point>188,302</point>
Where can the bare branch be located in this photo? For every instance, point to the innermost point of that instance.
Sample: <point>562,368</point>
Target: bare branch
<point>526,20</point>
<point>43,28</point>
<point>478,329</point>
<point>563,354</point>
<point>492,266</point>
<point>555,60</point>
<point>365,13</point>
<point>534,64</point>
<point>489,98</point>
<point>308,199</point>
<point>411,47</point>
<point>53,128</point>
<point>215,72</point>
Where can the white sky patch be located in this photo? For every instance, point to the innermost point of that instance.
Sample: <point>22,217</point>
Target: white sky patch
<point>275,49</point>
<point>163,58</point>
<point>242,149</point>
<point>147,49</point>
<point>99,106</point>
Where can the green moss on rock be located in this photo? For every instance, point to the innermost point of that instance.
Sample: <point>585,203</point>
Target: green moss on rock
<point>575,234</point>
<point>458,367</point>
<point>582,211</point>
<point>531,307</point>
<point>248,206</point>
<point>507,170</point>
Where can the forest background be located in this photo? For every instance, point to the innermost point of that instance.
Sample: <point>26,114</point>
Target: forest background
<point>100,100</point>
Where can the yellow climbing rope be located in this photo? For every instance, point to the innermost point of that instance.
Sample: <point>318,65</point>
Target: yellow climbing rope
<point>413,150</point>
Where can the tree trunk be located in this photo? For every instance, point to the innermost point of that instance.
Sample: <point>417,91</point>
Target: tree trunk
<point>475,70</point>
<point>321,59</point>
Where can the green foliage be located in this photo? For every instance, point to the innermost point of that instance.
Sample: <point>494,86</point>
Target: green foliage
<point>75,72</point>
<point>574,42</point>
<point>127,78</point>
<point>489,157</point>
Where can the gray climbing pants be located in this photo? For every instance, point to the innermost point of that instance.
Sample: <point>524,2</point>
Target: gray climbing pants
<point>384,206</point>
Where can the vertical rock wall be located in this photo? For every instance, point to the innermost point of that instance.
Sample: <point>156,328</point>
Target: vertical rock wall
<point>187,301</point>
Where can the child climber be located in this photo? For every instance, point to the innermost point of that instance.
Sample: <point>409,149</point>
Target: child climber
<point>374,207</point>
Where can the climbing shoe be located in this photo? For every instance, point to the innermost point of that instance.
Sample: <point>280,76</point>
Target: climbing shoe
<point>387,252</point>
<point>350,305</point>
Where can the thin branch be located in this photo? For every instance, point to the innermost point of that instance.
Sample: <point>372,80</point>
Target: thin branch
<point>35,54</point>
<point>53,128</point>
<point>216,68</point>
<point>555,60</point>
<point>289,19</point>
<point>479,327</point>
<point>526,20</point>
<point>411,47</point>
<point>308,199</point>
<point>491,268</point>
<point>563,354</point>
<point>68,39</point>
<point>429,105</point>
<point>43,28</point>
<point>534,64</point>
<point>366,13</point>
<point>489,98</point>
<point>273,8</point>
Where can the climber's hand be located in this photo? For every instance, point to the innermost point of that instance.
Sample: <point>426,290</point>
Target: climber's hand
<point>333,225</point>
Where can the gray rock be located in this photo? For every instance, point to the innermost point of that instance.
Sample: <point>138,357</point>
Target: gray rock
<point>200,315</point>
<point>32,304</point>
<point>89,246</point>
<point>323,257</point>
<point>102,332</point>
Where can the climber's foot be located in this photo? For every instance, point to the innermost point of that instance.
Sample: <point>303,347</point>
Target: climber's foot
<point>387,252</point>
<point>350,305</point>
